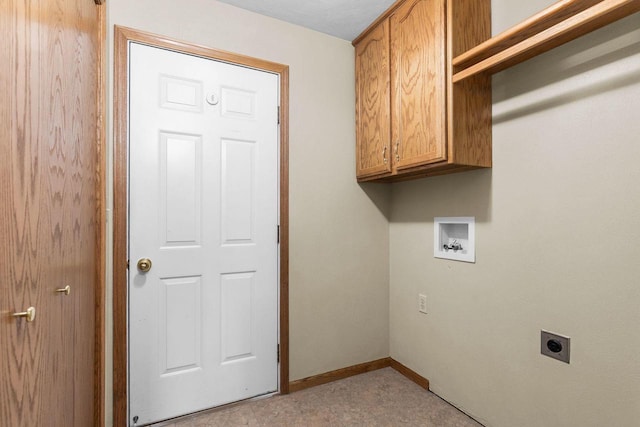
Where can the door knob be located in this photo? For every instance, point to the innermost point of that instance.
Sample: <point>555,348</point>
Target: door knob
<point>66,290</point>
<point>30,314</point>
<point>144,264</point>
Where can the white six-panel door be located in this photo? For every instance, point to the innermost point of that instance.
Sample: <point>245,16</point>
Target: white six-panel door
<point>203,207</point>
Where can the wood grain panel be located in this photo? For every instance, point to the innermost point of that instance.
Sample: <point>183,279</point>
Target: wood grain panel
<point>56,140</point>
<point>373,115</point>
<point>284,230</point>
<point>85,186</point>
<point>384,16</point>
<point>418,73</point>
<point>469,24</point>
<point>120,254</point>
<point>7,300</point>
<point>100,294</point>
<point>122,38</point>
<point>20,193</point>
<point>49,83</point>
<point>468,103</point>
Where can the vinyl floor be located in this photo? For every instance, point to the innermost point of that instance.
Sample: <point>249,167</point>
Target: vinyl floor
<point>379,398</point>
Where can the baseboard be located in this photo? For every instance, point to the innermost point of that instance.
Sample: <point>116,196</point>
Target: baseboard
<point>350,371</point>
<point>412,375</point>
<point>339,374</point>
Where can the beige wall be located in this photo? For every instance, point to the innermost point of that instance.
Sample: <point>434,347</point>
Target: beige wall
<point>557,225</point>
<point>557,229</point>
<point>339,235</point>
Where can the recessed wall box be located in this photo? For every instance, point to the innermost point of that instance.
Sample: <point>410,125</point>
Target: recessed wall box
<point>455,238</point>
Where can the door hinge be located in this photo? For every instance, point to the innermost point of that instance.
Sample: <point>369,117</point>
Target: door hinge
<point>278,353</point>
<point>278,236</point>
<point>278,114</point>
<point>127,264</point>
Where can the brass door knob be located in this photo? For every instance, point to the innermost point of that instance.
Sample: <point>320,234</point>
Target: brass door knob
<point>30,314</point>
<point>144,264</point>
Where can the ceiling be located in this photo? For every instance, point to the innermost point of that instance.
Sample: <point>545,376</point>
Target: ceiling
<point>344,19</point>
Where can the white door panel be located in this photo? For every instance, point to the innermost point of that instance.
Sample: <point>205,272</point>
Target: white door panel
<point>203,205</point>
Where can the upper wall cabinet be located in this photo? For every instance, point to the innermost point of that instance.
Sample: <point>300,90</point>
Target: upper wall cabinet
<point>419,79</point>
<point>373,104</point>
<point>411,121</point>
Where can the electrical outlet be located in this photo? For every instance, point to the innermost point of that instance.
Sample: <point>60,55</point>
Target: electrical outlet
<point>422,303</point>
<point>555,346</point>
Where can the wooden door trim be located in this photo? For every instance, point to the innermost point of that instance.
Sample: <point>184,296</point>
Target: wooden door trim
<point>101,191</point>
<point>122,37</point>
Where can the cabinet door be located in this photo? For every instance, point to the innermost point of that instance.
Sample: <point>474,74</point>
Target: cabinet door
<point>373,129</point>
<point>418,71</point>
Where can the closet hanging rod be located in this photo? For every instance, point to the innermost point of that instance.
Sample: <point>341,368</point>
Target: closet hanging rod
<point>562,22</point>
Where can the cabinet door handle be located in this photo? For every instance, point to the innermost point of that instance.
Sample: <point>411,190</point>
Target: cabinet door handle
<point>384,155</point>
<point>396,151</point>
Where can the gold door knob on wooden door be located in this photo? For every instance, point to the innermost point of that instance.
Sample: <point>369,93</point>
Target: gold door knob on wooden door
<point>30,314</point>
<point>66,290</point>
<point>144,264</point>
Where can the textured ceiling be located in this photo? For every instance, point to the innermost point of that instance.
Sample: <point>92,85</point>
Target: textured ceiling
<point>341,18</point>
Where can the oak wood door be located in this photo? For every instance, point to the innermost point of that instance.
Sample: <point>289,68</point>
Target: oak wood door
<point>418,75</point>
<point>373,115</point>
<point>48,210</point>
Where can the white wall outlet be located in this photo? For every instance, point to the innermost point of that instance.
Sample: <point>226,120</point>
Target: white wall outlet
<point>422,303</point>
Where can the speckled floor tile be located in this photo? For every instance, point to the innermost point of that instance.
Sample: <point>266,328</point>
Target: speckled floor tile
<point>382,398</point>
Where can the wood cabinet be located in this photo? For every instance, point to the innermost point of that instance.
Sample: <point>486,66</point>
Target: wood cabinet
<point>373,103</point>
<point>411,121</point>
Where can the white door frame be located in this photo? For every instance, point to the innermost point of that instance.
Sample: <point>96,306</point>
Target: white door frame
<point>122,37</point>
